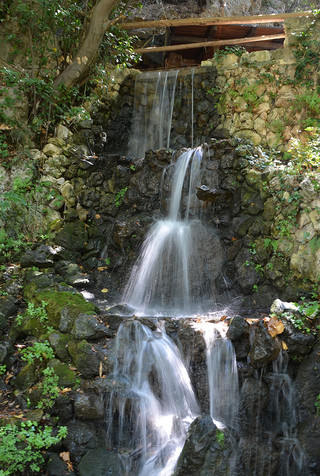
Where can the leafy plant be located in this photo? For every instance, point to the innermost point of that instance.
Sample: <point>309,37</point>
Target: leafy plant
<point>49,388</point>
<point>22,445</point>
<point>220,438</point>
<point>37,312</point>
<point>119,196</point>
<point>39,351</point>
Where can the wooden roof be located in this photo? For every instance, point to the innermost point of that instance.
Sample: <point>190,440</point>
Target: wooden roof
<point>192,40</point>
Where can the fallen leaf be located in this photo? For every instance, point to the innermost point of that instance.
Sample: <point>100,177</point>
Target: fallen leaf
<point>251,321</point>
<point>223,318</point>
<point>234,238</point>
<point>97,215</point>
<point>284,345</point>
<point>275,326</point>
<point>102,268</point>
<point>104,290</point>
<point>65,456</point>
<point>65,390</point>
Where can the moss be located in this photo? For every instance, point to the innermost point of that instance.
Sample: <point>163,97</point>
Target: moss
<point>26,377</point>
<point>59,343</point>
<point>67,378</point>
<point>56,302</point>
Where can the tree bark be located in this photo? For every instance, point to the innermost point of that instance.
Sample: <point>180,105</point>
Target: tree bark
<point>84,57</point>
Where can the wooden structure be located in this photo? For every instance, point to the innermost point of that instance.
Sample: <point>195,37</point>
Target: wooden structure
<point>188,41</point>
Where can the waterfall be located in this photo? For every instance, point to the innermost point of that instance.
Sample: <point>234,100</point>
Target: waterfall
<point>283,418</point>
<point>160,397</point>
<point>172,274</point>
<point>222,376</point>
<point>152,115</point>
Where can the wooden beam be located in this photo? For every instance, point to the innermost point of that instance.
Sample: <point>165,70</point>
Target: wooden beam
<point>275,18</point>
<point>190,46</point>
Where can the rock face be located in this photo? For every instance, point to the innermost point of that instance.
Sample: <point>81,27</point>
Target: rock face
<point>206,451</point>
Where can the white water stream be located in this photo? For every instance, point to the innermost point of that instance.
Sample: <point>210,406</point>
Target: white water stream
<point>171,278</point>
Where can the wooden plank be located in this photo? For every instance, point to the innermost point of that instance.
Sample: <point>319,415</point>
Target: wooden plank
<point>274,18</point>
<point>189,46</point>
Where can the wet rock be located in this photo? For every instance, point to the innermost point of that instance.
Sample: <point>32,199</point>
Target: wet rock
<point>100,462</point>
<point>87,326</point>
<point>206,451</point>
<point>206,194</point>
<point>89,406</point>
<point>264,348</point>
<point>307,384</point>
<point>253,400</point>
<point>237,327</point>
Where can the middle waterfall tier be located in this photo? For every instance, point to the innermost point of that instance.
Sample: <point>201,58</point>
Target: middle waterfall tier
<point>180,258</point>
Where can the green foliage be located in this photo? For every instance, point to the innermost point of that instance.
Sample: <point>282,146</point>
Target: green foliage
<point>220,438</point>
<point>22,445</point>
<point>305,155</point>
<point>49,388</point>
<point>220,54</point>
<point>38,312</point>
<point>38,352</point>
<point>117,47</point>
<point>119,196</point>
<point>3,369</point>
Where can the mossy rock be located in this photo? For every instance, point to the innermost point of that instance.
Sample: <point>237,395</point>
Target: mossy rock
<point>67,378</point>
<point>58,305</point>
<point>73,236</point>
<point>26,377</point>
<point>59,342</point>
<point>86,357</point>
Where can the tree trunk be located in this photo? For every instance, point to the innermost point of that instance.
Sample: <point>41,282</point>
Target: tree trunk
<point>85,55</point>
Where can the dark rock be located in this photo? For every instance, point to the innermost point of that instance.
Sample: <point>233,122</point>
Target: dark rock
<point>87,326</point>
<point>237,327</point>
<point>211,195</point>
<point>73,236</point>
<point>89,406</point>
<point>88,358</point>
<point>81,437</point>
<point>59,342</point>
<point>71,273</point>
<point>241,225</point>
<point>42,257</point>
<point>264,348</point>
<point>57,467</point>
<point>67,378</point>
<point>246,273</point>
<point>8,308</point>
<point>203,453</point>
<point>100,462</point>
<point>253,401</point>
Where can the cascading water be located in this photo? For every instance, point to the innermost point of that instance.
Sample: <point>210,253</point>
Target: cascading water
<point>222,375</point>
<point>160,397</point>
<point>283,418</point>
<point>153,107</point>
<point>175,276</point>
<point>171,276</point>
